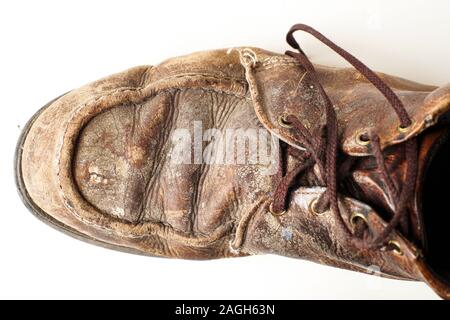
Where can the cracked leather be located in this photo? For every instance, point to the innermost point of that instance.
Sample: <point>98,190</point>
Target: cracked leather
<point>99,160</point>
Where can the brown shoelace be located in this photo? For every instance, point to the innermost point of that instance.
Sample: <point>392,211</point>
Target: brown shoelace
<point>323,150</point>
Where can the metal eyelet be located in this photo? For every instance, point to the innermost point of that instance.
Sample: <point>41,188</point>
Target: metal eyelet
<point>395,247</point>
<point>355,216</point>
<point>362,138</point>
<point>276,214</point>
<point>402,129</point>
<point>283,122</point>
<point>312,207</point>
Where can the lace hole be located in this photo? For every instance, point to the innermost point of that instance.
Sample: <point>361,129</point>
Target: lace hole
<point>276,214</point>
<point>312,207</point>
<point>394,246</point>
<point>282,121</point>
<point>355,216</point>
<point>363,139</point>
<point>402,129</point>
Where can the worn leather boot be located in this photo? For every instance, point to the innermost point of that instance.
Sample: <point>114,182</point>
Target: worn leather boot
<point>243,151</point>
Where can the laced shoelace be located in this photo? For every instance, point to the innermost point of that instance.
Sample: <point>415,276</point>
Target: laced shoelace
<point>322,151</point>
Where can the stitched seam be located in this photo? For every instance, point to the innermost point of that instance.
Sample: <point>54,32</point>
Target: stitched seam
<point>201,75</point>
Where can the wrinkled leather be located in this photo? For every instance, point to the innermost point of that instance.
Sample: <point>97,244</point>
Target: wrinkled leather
<point>99,159</point>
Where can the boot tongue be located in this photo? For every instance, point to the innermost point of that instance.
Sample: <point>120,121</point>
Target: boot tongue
<point>372,188</point>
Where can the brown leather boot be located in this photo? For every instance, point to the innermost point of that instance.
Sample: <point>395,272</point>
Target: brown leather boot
<point>237,152</point>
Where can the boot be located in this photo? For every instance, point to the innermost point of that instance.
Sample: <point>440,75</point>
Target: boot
<point>238,152</point>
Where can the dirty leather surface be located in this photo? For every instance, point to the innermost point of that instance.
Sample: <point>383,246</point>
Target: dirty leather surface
<point>100,159</point>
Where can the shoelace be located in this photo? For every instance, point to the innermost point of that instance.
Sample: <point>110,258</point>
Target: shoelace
<point>323,150</point>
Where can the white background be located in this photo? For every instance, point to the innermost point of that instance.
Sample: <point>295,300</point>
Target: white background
<point>50,47</point>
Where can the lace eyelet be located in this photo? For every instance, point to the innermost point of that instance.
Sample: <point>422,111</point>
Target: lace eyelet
<point>276,214</point>
<point>355,216</point>
<point>283,122</point>
<point>395,247</point>
<point>312,208</point>
<point>363,139</point>
<point>402,129</point>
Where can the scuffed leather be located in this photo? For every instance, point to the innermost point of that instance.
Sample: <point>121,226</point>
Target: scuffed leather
<point>98,159</point>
